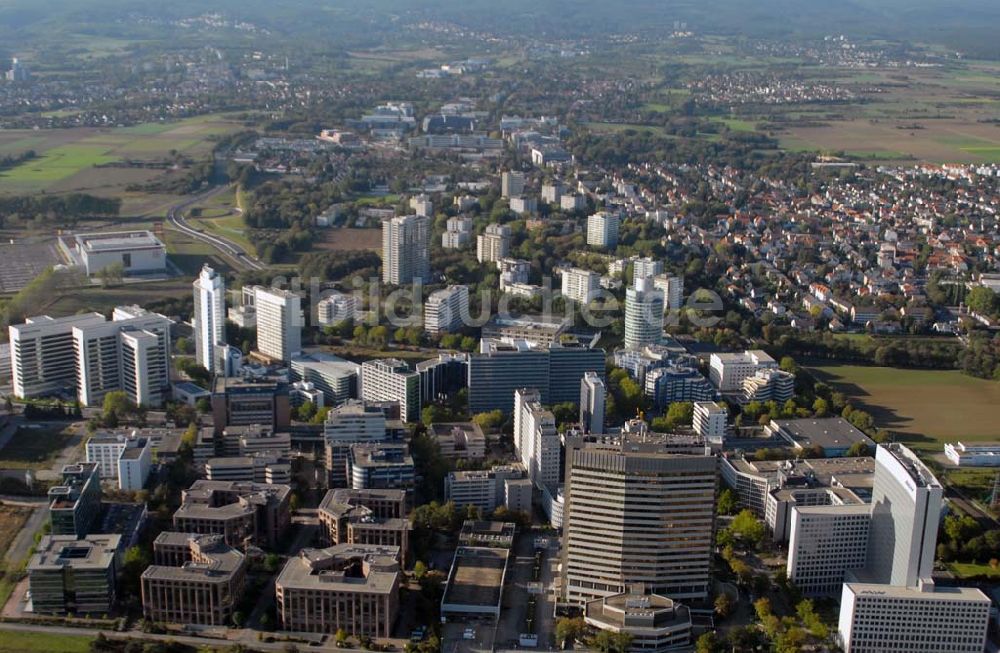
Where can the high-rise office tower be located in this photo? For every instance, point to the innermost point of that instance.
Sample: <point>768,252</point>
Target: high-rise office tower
<point>42,356</point>
<point>636,512</point>
<point>643,315</point>
<point>279,322</point>
<point>209,317</point>
<point>129,353</point>
<point>906,512</point>
<point>592,399</point>
<point>404,249</point>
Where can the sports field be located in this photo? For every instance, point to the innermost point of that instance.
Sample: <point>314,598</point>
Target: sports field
<point>922,407</point>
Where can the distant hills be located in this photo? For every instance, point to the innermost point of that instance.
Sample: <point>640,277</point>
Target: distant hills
<point>960,24</point>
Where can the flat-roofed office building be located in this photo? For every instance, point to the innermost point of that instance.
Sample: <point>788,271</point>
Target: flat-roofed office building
<point>195,579</point>
<point>354,587</point>
<point>637,513</point>
<point>70,574</point>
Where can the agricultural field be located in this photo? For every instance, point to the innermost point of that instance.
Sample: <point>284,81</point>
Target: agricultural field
<point>934,115</point>
<point>924,408</point>
<point>92,159</point>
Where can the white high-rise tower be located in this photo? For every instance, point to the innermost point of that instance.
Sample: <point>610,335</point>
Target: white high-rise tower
<point>209,316</point>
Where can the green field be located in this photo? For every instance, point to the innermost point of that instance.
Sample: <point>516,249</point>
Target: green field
<point>56,164</point>
<point>971,570</point>
<point>67,157</point>
<point>15,641</point>
<point>922,407</point>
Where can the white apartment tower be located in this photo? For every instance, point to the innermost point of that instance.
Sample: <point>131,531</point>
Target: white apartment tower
<point>536,438</point>
<point>405,241</point>
<point>646,267</point>
<point>602,230</point>
<point>637,513</point>
<point>580,285</point>
<point>493,244</point>
<point>445,309</point>
<point>279,323</point>
<point>643,315</point>
<point>511,184</point>
<point>592,400</point>
<point>209,316</point>
<point>710,420</point>
<point>673,290</point>
<point>336,307</point>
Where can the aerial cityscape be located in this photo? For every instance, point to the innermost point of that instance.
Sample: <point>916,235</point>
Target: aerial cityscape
<point>631,326</point>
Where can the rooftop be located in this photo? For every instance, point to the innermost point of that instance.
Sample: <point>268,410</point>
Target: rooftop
<point>476,577</point>
<point>828,432</point>
<point>58,551</point>
<point>118,241</point>
<point>372,569</point>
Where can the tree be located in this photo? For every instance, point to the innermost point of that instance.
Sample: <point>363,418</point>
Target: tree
<point>789,365</point>
<point>184,345</point>
<point>569,630</point>
<point>748,530</point>
<point>134,562</point>
<point>723,605</point>
<point>741,570</point>
<point>116,408</point>
<point>239,619</point>
<point>566,413</point>
<point>821,407</point>
<point>728,502</point>
<point>419,570</point>
<point>707,643</point>
<point>981,300</point>
<point>340,638</point>
<point>857,450</point>
<point>680,413</point>
<point>306,412</point>
<point>488,421</point>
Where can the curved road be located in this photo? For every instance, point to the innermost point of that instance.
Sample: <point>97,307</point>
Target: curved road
<point>229,249</point>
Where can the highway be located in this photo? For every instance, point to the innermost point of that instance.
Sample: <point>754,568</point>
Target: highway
<point>226,247</point>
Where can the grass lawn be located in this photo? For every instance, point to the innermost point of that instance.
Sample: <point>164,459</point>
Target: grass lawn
<point>925,408</point>
<point>972,570</point>
<point>42,642</point>
<point>56,164</point>
<point>34,448</point>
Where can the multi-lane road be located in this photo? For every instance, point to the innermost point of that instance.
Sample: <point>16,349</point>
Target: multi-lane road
<point>233,252</point>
